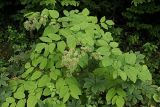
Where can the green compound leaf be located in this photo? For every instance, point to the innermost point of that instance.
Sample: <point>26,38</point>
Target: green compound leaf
<point>43,81</point>
<point>45,39</point>
<point>61,46</point>
<point>54,13</point>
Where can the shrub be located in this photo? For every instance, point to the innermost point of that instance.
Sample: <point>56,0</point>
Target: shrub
<point>77,64</point>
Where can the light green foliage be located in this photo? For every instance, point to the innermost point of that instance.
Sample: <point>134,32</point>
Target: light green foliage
<point>79,59</point>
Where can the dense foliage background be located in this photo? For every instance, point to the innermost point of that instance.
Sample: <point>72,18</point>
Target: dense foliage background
<point>133,24</point>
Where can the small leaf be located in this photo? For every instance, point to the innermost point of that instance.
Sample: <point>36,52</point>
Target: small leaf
<point>110,94</point>
<point>107,37</point>
<point>103,50</point>
<point>39,47</point>
<point>113,44</point>
<point>30,85</point>
<point>110,22</point>
<point>43,63</point>
<point>75,91</point>
<point>54,13</point>
<point>27,65</point>
<point>43,81</point>
<point>85,12</point>
<point>156,98</point>
<point>46,92</point>
<point>19,95</point>
<point>31,101</point>
<point>54,37</point>
<point>120,101</point>
<point>104,26</point>
<point>116,51</point>
<point>130,58</point>
<point>66,97</point>
<point>103,19</point>
<point>61,46</point>
<point>21,103</point>
<point>66,13</point>
<point>27,72</point>
<point>123,75</point>
<point>10,100</point>
<point>45,39</point>
<point>107,61</point>
<point>121,92</point>
<point>13,105</point>
<point>36,75</point>
<point>71,42</point>
<point>51,47</point>
<point>145,75</point>
<point>5,104</point>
